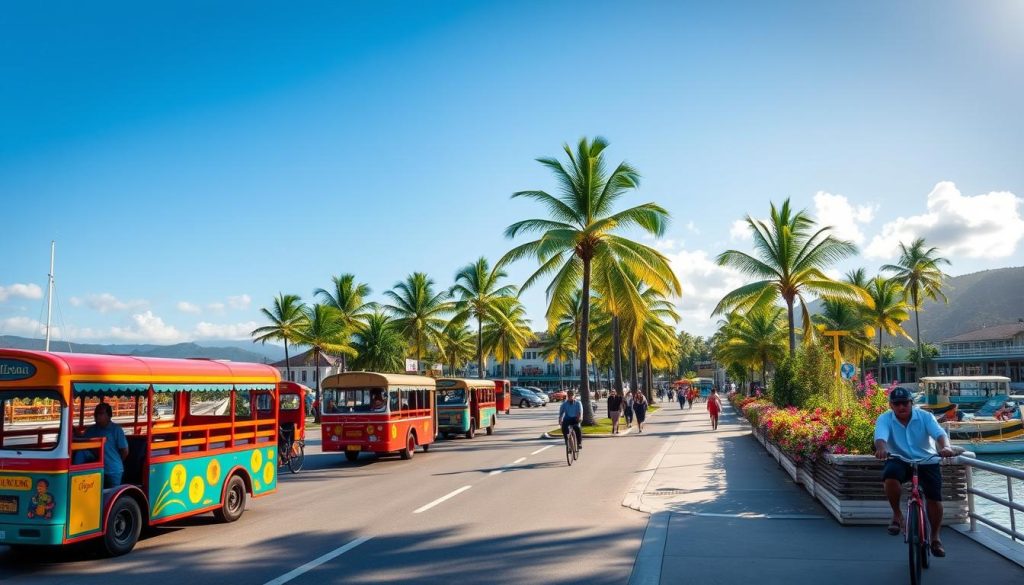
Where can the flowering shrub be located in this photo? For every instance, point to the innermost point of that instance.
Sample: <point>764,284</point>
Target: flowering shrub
<point>806,434</point>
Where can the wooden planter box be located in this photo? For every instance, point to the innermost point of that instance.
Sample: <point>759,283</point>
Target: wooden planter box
<point>850,486</point>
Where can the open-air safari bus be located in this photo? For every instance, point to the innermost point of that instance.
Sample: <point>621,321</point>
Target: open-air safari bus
<point>465,406</point>
<point>503,395</point>
<point>195,444</point>
<point>377,413</point>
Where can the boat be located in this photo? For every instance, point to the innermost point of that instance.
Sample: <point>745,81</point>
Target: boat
<point>968,393</point>
<point>990,447</point>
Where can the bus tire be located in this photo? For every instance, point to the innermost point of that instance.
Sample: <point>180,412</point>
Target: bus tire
<point>472,429</point>
<point>124,525</point>
<point>490,429</point>
<point>508,411</point>
<point>410,447</point>
<point>234,500</point>
<point>352,456</point>
<point>426,447</point>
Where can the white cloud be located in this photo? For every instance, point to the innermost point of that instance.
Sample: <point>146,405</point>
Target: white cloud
<point>23,326</point>
<point>704,284</point>
<point>240,302</point>
<point>664,245</point>
<point>837,211</point>
<point>740,230</point>
<point>216,307</point>
<point>146,327</point>
<point>206,330</point>
<point>21,291</point>
<point>692,227</point>
<point>978,226</point>
<point>107,303</point>
<point>187,307</point>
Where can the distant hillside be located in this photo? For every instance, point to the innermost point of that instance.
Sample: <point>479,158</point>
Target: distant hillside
<point>179,350</point>
<point>976,300</point>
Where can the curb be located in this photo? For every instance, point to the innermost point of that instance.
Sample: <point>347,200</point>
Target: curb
<point>546,435</point>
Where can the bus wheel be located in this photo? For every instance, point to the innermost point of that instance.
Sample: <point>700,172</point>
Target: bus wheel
<point>352,456</point>
<point>472,429</point>
<point>426,447</point>
<point>234,501</point>
<point>410,447</point>
<point>124,527</point>
<point>490,429</point>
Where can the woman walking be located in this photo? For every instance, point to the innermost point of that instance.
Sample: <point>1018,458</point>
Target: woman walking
<point>627,407</point>
<point>614,410</point>
<point>639,409</point>
<point>714,407</point>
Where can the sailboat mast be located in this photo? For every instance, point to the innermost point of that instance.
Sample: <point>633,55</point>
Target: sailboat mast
<point>49,296</point>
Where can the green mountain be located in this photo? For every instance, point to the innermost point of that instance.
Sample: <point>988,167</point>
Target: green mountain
<point>178,350</point>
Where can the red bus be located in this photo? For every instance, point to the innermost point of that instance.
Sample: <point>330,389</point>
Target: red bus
<point>377,413</point>
<point>503,395</point>
<point>195,443</point>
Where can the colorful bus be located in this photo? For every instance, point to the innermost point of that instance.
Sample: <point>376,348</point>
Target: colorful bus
<point>377,413</point>
<point>465,406</point>
<point>503,395</point>
<point>195,444</point>
<point>705,385</point>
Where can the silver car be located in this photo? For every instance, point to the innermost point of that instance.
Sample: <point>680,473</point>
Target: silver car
<point>542,394</point>
<point>524,398</point>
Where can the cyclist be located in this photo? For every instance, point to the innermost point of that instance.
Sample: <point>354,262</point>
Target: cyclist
<point>570,413</point>
<point>913,434</point>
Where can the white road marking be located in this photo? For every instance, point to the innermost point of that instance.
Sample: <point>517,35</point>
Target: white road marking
<point>518,461</point>
<point>441,499</point>
<point>318,561</point>
<point>542,449</point>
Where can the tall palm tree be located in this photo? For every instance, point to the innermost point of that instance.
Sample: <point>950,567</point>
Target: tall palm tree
<point>755,338</point>
<point>286,320</point>
<point>379,346</point>
<point>457,345</point>
<point>348,298</point>
<point>887,312</point>
<point>418,311</point>
<point>323,332</point>
<point>508,336</point>
<point>919,273</point>
<point>558,347</point>
<point>478,290</point>
<point>790,255</point>
<point>580,229</point>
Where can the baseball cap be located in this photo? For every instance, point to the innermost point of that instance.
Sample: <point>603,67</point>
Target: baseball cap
<point>899,395</point>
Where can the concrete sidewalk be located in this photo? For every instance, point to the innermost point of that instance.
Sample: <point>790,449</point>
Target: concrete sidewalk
<point>723,512</point>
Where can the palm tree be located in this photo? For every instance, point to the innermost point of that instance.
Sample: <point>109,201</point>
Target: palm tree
<point>286,320</point>
<point>322,330</point>
<point>919,273</point>
<point>456,344</point>
<point>581,230</point>
<point>754,338</point>
<point>479,294</point>
<point>379,347</point>
<point>418,311</point>
<point>558,346</point>
<point>347,298</point>
<point>887,312</point>
<point>509,335</point>
<point>789,261</point>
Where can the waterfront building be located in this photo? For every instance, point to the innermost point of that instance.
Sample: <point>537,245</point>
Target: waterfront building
<point>304,370</point>
<point>990,351</point>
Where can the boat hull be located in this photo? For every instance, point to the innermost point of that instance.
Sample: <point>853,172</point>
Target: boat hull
<point>1009,446</point>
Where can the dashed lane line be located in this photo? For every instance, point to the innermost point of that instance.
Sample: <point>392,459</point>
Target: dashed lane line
<point>318,561</point>
<point>542,449</point>
<point>442,499</point>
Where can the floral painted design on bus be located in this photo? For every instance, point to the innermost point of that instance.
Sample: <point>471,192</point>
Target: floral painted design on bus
<point>193,484</point>
<point>43,501</point>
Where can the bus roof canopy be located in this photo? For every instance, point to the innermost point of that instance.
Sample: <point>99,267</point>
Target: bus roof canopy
<point>464,383</point>
<point>375,380</point>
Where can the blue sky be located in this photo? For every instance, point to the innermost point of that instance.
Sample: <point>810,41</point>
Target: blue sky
<point>193,160</point>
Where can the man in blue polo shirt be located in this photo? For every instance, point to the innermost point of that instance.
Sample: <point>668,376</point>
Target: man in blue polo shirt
<point>912,433</point>
<point>570,413</point>
<point>115,448</point>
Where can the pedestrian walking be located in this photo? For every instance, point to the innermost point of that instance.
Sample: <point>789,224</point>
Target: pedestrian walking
<point>714,407</point>
<point>639,410</point>
<point>681,396</point>
<point>691,395</point>
<point>614,410</point>
<point>627,407</point>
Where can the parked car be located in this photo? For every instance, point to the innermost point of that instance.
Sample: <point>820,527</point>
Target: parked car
<point>524,398</point>
<point>557,395</point>
<point>543,395</point>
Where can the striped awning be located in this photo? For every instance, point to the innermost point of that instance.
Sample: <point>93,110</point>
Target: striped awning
<point>191,387</point>
<point>83,388</point>
<point>254,386</point>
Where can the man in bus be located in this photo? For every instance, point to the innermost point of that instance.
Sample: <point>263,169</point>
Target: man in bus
<point>115,448</point>
<point>570,413</point>
<point>912,433</point>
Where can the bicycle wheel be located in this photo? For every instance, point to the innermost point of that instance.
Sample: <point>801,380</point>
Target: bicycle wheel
<point>570,445</point>
<point>298,456</point>
<point>575,447</point>
<point>925,550</point>
<point>913,542</point>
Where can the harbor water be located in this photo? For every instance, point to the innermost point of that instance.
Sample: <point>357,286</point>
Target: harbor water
<point>996,485</point>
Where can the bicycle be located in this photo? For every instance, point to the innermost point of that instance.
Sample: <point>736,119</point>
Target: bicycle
<point>290,454</point>
<point>917,525</point>
<point>572,450</point>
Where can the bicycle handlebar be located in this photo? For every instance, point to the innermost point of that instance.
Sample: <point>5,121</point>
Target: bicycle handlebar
<point>913,461</point>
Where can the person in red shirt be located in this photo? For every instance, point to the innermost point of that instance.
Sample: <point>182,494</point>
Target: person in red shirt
<point>714,407</point>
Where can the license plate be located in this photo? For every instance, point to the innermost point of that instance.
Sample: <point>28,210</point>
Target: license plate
<point>8,504</point>
<point>353,448</point>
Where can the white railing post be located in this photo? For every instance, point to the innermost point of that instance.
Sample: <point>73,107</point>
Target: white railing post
<point>970,499</point>
<point>1013,513</point>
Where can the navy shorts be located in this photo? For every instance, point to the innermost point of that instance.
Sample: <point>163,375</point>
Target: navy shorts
<point>929,477</point>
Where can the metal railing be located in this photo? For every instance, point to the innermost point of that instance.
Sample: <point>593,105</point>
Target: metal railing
<point>1013,506</point>
<point>1013,350</point>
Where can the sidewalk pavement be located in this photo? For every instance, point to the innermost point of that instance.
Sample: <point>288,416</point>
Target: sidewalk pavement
<point>722,511</point>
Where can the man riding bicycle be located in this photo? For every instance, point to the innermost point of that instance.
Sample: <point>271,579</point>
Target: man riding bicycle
<point>570,413</point>
<point>912,433</point>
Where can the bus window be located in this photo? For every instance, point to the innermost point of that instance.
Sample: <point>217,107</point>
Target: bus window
<point>243,405</point>
<point>163,406</point>
<point>353,400</point>
<point>31,420</point>
<point>288,402</point>
<point>209,403</point>
<point>395,401</point>
<point>456,396</point>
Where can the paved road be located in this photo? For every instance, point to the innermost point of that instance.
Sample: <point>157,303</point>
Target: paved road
<point>515,514</point>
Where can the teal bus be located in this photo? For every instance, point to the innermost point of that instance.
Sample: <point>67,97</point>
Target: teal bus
<point>465,406</point>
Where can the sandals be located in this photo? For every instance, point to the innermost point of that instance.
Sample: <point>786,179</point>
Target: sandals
<point>937,549</point>
<point>894,527</point>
